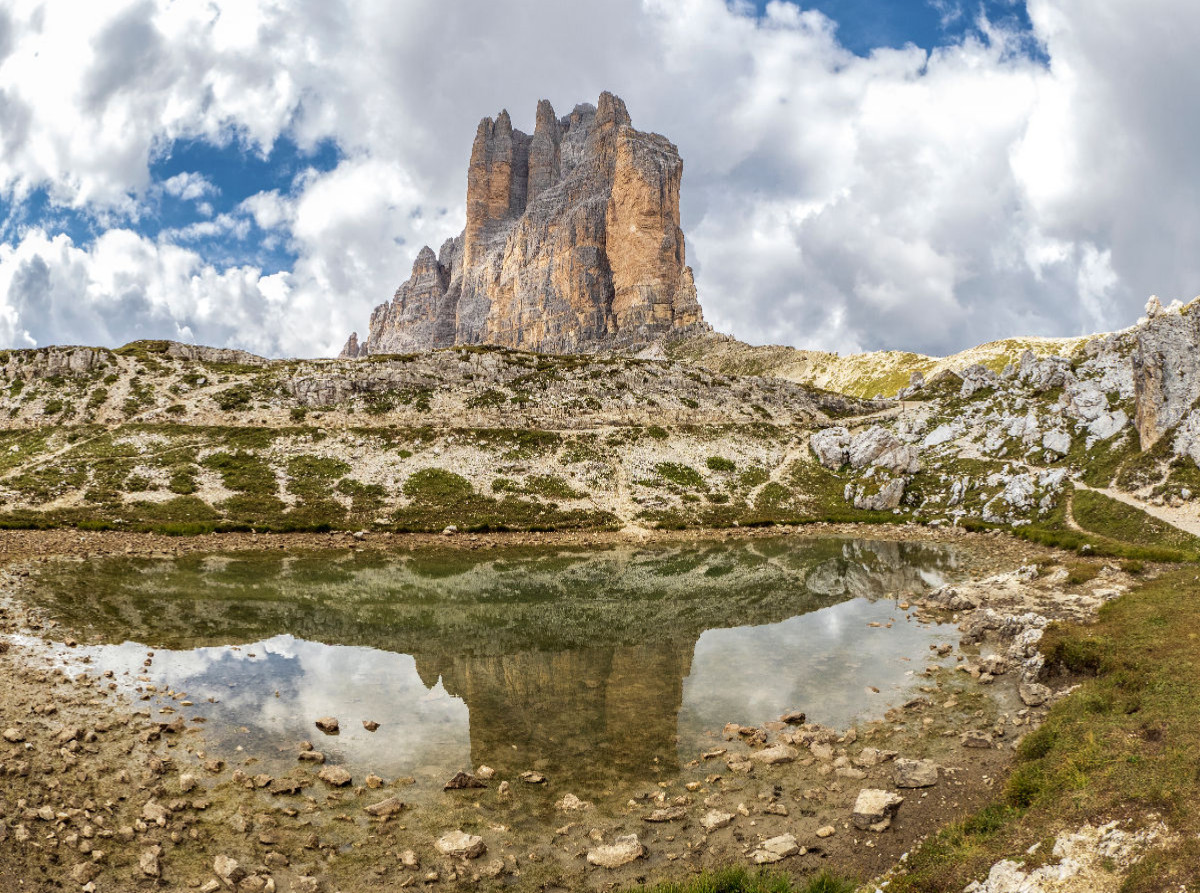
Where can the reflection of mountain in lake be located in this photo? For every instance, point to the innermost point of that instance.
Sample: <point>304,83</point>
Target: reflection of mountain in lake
<point>573,657</point>
<point>613,706</point>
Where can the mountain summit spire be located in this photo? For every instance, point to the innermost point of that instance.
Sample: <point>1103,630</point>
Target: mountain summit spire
<point>572,243</point>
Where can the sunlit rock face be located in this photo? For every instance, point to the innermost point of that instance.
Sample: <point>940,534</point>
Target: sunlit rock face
<point>572,243</point>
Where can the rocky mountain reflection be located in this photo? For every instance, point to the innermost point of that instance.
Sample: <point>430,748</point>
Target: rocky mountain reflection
<point>620,660</point>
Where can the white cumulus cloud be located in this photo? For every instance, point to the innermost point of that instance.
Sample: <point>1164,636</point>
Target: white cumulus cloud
<point>911,199</point>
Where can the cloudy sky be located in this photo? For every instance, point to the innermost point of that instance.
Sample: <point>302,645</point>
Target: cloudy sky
<point>859,174</point>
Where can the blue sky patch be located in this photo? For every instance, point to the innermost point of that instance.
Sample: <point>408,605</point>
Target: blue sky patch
<point>196,189</point>
<point>864,25</point>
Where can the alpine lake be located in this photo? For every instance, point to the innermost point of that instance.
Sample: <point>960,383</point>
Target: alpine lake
<point>599,668</point>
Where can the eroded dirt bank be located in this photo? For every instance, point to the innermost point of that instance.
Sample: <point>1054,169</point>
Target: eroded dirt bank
<point>106,788</point>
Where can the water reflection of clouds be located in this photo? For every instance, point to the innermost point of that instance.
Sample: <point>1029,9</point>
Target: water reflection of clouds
<point>821,663</point>
<point>420,727</point>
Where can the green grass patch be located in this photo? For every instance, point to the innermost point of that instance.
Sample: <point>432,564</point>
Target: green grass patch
<point>242,472</point>
<point>720,464</point>
<point>1122,746</point>
<point>1100,514</point>
<point>680,475</point>
<point>743,880</point>
<point>314,476</point>
<point>436,486</point>
<point>233,399</point>
<point>550,486</point>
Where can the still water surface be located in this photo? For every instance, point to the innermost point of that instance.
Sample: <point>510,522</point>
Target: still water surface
<point>588,664</point>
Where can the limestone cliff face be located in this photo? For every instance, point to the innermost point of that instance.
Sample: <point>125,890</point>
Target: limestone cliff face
<point>572,243</point>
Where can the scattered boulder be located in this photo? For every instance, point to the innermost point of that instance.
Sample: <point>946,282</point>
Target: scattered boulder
<point>571,803</point>
<point>155,813</point>
<point>335,776</point>
<point>370,725</point>
<point>1034,694</point>
<point>85,872</point>
<point>1057,442</point>
<point>771,756</point>
<point>793,718</point>
<point>228,871</point>
<point>625,849</point>
<point>915,773</point>
<point>776,849</point>
<point>715,820</point>
<point>831,446</point>
<point>887,498</point>
<point>463,780</point>
<point>461,845</point>
<point>328,725</point>
<point>290,786</point>
<point>878,447</point>
<point>873,810</point>
<point>148,862</point>
<point>977,378</point>
<point>667,814</point>
<point>384,808</point>
<point>976,739</point>
<point>872,756</point>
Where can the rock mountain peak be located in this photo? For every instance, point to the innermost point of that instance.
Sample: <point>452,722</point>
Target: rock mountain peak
<point>572,243</point>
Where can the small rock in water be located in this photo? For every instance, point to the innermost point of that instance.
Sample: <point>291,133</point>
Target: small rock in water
<point>571,803</point>
<point>370,725</point>
<point>622,851</point>
<point>776,850</point>
<point>286,786</point>
<point>670,814</point>
<point>328,725</point>
<point>311,756</point>
<point>461,845</point>
<point>794,718</point>
<point>374,782</point>
<point>387,807</point>
<point>335,776</point>
<point>463,780</point>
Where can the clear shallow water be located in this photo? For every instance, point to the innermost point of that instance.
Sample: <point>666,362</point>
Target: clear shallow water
<point>588,665</point>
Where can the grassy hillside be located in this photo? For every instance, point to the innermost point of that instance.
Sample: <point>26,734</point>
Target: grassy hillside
<point>865,375</point>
